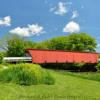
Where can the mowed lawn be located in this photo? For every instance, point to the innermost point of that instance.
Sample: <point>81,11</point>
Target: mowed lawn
<point>67,87</point>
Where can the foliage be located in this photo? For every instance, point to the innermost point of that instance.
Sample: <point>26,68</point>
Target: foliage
<point>78,65</point>
<point>41,45</point>
<point>48,78</point>
<point>98,56</point>
<point>16,46</point>
<point>82,67</point>
<point>67,87</point>
<point>72,67</point>
<point>0,67</point>
<point>58,43</point>
<point>98,67</point>
<point>73,42</point>
<point>26,74</point>
<point>2,54</point>
<point>81,42</point>
<point>29,44</point>
<point>1,57</point>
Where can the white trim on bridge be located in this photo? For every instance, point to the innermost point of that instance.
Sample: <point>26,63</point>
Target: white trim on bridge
<point>17,59</point>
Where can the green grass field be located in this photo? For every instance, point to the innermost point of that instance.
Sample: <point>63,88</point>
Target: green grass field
<point>67,87</point>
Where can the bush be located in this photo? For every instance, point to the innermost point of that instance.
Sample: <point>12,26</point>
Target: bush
<point>2,67</point>
<point>2,54</point>
<point>48,78</point>
<point>26,74</point>
<point>78,66</point>
<point>98,67</point>
<point>1,57</point>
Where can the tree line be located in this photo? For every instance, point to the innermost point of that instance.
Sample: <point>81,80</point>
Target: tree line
<point>15,46</point>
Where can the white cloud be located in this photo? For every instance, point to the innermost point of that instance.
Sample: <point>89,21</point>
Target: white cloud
<point>6,21</point>
<point>61,9</point>
<point>71,27</point>
<point>75,14</point>
<point>21,31</point>
<point>35,29</point>
<point>28,31</point>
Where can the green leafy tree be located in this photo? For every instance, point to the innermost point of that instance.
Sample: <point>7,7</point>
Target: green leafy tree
<point>29,44</point>
<point>2,54</point>
<point>73,42</point>
<point>1,57</point>
<point>58,43</point>
<point>81,42</point>
<point>15,47</point>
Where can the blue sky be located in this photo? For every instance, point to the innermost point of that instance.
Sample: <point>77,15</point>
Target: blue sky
<point>43,19</point>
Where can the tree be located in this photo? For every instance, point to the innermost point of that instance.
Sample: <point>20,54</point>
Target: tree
<point>81,42</point>
<point>41,45</point>
<point>1,57</point>
<point>16,46</point>
<point>2,54</point>
<point>73,42</point>
<point>29,44</point>
<point>58,43</point>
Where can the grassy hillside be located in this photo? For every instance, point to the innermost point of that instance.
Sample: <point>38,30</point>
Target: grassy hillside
<point>67,87</point>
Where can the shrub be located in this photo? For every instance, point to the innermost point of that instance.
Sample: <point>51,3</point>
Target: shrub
<point>78,66</point>
<point>98,67</point>
<point>48,78</point>
<point>1,57</point>
<point>26,74</point>
<point>2,54</point>
<point>0,67</point>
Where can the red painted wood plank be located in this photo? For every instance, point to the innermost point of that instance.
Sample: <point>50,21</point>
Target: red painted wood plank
<point>51,56</point>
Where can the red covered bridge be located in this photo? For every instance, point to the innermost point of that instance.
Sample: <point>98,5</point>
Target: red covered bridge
<point>58,56</point>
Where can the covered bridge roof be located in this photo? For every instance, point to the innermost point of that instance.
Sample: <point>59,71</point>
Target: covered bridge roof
<point>59,56</point>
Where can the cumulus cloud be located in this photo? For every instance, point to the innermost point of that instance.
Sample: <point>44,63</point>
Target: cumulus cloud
<point>71,27</point>
<point>61,9</point>
<point>74,14</point>
<point>6,21</point>
<point>21,31</point>
<point>35,29</point>
<point>28,31</point>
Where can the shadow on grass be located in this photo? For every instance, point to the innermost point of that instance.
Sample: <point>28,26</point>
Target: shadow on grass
<point>84,75</point>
